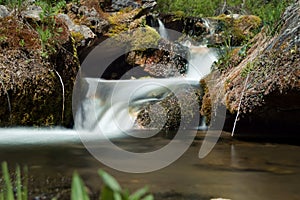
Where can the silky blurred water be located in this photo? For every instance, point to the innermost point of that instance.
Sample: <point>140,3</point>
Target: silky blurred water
<point>234,169</point>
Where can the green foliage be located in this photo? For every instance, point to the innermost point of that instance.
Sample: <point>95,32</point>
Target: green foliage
<point>113,191</point>
<point>16,5</point>
<point>21,187</point>
<point>189,7</point>
<point>78,191</point>
<point>3,38</point>
<point>48,30</point>
<point>22,43</point>
<point>50,8</point>
<point>246,70</point>
<point>268,11</point>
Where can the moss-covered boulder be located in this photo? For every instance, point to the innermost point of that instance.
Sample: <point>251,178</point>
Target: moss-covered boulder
<point>234,30</point>
<point>229,30</point>
<point>264,83</point>
<point>172,112</point>
<point>36,78</point>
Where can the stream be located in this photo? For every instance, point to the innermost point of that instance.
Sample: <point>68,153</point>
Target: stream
<point>234,169</point>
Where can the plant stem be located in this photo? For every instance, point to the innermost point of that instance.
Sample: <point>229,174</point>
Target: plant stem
<point>63,93</point>
<point>238,111</point>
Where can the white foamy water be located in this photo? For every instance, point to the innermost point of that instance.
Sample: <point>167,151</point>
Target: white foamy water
<point>37,136</point>
<point>111,106</point>
<point>200,62</point>
<point>162,29</point>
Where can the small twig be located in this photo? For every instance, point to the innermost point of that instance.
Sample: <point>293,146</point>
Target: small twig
<point>238,111</point>
<point>63,91</point>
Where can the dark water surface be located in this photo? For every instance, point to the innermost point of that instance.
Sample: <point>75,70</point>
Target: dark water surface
<point>233,170</point>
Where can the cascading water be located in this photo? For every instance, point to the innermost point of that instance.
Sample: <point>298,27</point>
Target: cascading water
<point>162,29</point>
<point>209,26</point>
<point>111,106</point>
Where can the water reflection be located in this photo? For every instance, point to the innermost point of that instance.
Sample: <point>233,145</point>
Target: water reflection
<point>234,169</point>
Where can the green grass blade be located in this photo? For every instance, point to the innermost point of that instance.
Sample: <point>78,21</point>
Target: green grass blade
<point>8,185</point>
<point>25,183</point>
<point>139,194</point>
<point>78,189</point>
<point>1,196</point>
<point>148,197</point>
<point>18,183</point>
<point>110,181</point>
<point>117,196</point>
<point>106,193</point>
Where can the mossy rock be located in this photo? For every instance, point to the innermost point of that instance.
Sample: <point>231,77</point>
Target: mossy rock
<point>31,86</point>
<point>143,38</point>
<point>237,28</point>
<point>120,21</point>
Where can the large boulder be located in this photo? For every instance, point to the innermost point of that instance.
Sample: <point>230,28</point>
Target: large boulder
<point>264,83</point>
<point>215,30</point>
<point>36,83</point>
<point>168,60</point>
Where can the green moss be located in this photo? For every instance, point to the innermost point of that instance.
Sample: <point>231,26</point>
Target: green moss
<point>247,69</point>
<point>240,30</point>
<point>120,21</point>
<point>78,37</point>
<point>206,105</point>
<point>144,38</point>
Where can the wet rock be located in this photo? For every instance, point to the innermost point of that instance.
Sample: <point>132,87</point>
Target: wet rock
<point>4,11</point>
<point>168,60</point>
<point>176,110</point>
<point>197,27</point>
<point>215,30</point>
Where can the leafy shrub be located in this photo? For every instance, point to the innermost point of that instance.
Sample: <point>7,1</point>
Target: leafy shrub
<point>111,189</point>
<point>268,11</point>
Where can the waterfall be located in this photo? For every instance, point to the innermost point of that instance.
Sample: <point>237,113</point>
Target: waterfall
<point>201,60</point>
<point>162,29</point>
<point>209,26</point>
<point>112,106</point>
<point>116,103</point>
